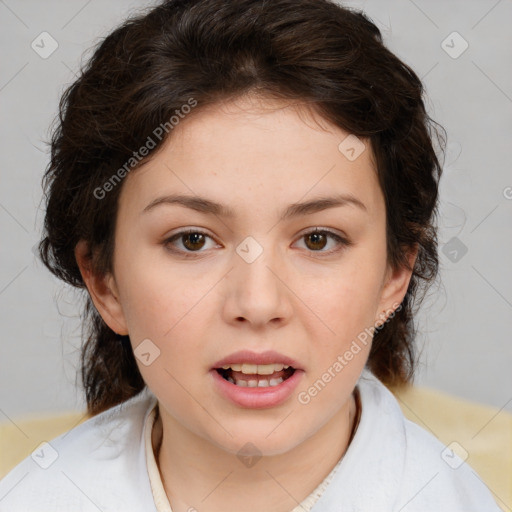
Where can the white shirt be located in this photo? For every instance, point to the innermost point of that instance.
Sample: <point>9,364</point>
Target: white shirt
<point>107,464</point>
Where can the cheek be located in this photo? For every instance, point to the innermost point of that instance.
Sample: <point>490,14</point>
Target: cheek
<point>171,316</point>
<point>154,295</point>
<point>163,310</point>
<point>164,315</point>
<point>346,301</point>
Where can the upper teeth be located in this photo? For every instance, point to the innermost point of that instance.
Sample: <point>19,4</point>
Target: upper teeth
<point>260,369</point>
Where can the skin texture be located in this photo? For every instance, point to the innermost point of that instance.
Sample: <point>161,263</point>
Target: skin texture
<point>305,299</point>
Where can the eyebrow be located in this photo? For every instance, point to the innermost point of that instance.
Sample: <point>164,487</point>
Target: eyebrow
<point>207,206</point>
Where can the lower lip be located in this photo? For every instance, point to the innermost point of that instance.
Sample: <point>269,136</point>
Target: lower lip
<point>257,398</point>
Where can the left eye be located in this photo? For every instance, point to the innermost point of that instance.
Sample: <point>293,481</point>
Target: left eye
<point>318,239</point>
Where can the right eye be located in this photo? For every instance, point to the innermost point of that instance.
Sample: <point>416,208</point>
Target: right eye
<point>191,241</point>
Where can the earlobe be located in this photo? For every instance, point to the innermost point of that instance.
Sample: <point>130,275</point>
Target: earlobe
<point>395,287</point>
<point>102,290</point>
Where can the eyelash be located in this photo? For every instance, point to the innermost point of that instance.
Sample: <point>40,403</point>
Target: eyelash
<point>340,240</point>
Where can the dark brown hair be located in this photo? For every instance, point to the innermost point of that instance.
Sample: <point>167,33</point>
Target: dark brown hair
<point>313,51</point>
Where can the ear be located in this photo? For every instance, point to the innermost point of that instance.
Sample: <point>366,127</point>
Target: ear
<point>394,287</point>
<point>102,289</point>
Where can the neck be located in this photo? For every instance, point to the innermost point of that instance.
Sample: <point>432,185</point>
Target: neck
<point>210,479</point>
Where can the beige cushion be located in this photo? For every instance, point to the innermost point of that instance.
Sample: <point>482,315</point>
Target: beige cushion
<point>483,433</point>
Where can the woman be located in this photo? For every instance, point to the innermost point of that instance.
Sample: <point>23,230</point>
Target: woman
<point>247,192</point>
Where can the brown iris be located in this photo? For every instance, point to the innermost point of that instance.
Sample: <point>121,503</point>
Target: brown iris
<point>319,240</point>
<point>197,240</point>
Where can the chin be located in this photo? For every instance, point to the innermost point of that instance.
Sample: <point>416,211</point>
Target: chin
<point>266,440</point>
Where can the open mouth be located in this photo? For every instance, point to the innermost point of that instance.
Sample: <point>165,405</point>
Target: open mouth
<point>259,378</point>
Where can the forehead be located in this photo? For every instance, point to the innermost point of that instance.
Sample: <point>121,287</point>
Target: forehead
<point>254,148</point>
<point>251,123</point>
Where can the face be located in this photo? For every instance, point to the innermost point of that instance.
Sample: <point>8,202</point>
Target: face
<point>196,282</point>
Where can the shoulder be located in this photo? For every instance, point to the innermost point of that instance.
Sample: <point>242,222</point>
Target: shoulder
<point>395,465</point>
<point>432,475</point>
<point>435,475</point>
<point>91,467</point>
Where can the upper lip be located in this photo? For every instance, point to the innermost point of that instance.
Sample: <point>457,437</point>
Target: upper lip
<point>267,357</point>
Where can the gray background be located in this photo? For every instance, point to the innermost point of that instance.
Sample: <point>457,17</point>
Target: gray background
<point>465,323</point>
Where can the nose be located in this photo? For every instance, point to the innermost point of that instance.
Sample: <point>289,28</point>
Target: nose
<point>257,292</point>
